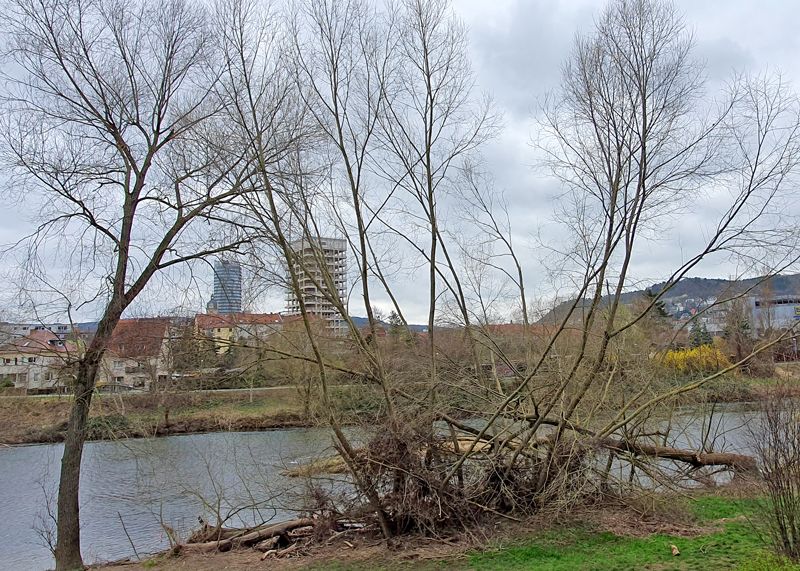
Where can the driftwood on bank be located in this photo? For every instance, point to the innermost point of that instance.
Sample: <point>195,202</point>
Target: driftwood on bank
<point>207,533</point>
<point>249,538</point>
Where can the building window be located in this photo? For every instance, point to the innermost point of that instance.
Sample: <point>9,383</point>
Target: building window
<point>31,359</point>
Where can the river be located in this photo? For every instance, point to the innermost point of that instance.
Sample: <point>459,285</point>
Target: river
<point>129,487</point>
<point>133,485</point>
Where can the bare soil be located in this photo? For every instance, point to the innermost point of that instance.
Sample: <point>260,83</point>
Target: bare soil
<point>414,552</point>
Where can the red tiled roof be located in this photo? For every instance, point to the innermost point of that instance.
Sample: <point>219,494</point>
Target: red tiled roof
<point>134,338</point>
<point>214,320</point>
<point>38,341</point>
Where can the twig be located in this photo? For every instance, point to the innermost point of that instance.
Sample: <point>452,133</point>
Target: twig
<point>125,529</point>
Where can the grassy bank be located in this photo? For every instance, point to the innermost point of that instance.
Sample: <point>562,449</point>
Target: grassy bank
<point>26,420</point>
<point>714,533</point>
<point>727,539</point>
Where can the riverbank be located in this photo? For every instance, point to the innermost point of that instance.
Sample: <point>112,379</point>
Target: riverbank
<point>710,532</point>
<point>43,419</point>
<point>35,420</point>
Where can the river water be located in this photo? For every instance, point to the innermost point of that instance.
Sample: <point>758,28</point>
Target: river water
<point>134,485</point>
<point>130,487</point>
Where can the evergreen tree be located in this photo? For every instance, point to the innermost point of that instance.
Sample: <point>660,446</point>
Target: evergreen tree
<point>699,335</point>
<point>395,324</point>
<point>659,308</point>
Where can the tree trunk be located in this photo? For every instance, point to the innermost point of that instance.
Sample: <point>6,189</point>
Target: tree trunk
<point>68,528</point>
<point>738,462</point>
<point>68,544</point>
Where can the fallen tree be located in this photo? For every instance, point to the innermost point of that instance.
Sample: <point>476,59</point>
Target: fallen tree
<point>249,538</point>
<point>739,462</point>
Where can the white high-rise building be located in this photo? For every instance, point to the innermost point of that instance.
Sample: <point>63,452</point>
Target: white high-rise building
<point>319,256</point>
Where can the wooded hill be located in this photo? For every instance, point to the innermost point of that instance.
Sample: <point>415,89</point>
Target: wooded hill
<point>698,289</point>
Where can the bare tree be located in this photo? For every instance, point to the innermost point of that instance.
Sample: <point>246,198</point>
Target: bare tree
<point>488,214</point>
<point>112,127</point>
<point>629,135</point>
<point>431,124</point>
<point>342,63</point>
<point>775,438</point>
<point>283,207</point>
<point>632,138</point>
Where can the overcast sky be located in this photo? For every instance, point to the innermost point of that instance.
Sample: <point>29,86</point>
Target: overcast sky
<point>517,48</point>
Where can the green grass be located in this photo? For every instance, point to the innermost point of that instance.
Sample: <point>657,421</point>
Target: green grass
<point>732,543</point>
<point>737,545</point>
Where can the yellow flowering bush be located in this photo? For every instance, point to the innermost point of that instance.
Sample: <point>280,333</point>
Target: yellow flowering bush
<point>703,359</point>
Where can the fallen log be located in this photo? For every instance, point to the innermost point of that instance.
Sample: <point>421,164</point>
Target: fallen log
<point>250,538</point>
<point>280,553</point>
<point>739,462</point>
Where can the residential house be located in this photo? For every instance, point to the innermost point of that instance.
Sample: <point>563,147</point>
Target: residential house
<point>227,330</point>
<point>10,331</point>
<point>138,355</point>
<point>37,362</point>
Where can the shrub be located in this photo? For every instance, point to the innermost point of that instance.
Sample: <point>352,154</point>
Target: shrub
<point>703,359</point>
<point>107,426</point>
<point>775,438</point>
<point>356,400</point>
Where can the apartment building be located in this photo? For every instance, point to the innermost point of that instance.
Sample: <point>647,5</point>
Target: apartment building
<point>39,361</point>
<point>321,265</point>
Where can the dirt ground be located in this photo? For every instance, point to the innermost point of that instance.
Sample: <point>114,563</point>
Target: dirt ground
<point>364,554</point>
<point>370,552</point>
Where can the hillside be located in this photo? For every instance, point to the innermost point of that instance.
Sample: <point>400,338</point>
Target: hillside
<point>703,288</point>
<point>693,292</point>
